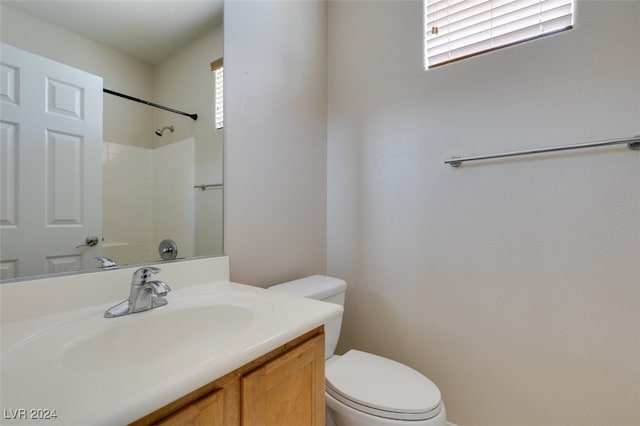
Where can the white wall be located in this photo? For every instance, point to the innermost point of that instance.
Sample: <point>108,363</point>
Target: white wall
<point>514,285</point>
<point>275,139</point>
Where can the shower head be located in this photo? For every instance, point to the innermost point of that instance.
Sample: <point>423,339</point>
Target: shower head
<point>159,132</point>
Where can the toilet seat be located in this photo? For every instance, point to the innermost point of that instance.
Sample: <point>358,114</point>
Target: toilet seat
<point>382,387</point>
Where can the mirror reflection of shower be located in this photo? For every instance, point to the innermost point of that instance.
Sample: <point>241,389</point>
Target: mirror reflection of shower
<point>160,132</point>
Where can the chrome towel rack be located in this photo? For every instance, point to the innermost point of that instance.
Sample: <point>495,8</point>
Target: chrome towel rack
<point>209,185</point>
<point>632,143</point>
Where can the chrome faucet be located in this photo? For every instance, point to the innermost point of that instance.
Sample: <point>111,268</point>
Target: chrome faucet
<point>144,294</point>
<point>106,263</point>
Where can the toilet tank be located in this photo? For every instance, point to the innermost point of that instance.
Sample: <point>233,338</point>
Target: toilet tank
<point>320,287</point>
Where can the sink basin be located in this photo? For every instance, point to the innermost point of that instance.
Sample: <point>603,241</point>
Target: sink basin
<point>158,337</point>
<point>190,330</point>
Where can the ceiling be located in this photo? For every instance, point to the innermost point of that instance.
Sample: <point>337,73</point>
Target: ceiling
<point>150,30</point>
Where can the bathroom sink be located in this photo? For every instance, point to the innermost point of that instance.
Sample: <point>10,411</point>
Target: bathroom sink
<point>190,330</point>
<point>157,337</point>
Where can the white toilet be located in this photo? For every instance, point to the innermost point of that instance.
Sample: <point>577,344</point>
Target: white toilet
<point>363,389</point>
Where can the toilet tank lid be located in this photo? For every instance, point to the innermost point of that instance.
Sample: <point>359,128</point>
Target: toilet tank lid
<point>315,287</point>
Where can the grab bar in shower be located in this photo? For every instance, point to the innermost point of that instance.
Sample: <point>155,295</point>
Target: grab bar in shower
<point>632,143</point>
<point>209,185</point>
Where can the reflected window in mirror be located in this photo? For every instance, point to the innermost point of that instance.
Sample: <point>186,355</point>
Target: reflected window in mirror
<point>217,69</point>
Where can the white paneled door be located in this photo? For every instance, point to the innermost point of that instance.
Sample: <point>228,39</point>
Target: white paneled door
<point>50,165</point>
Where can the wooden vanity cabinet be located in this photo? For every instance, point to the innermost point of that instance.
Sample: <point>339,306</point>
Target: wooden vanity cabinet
<point>288,390</point>
<point>206,411</point>
<point>283,387</point>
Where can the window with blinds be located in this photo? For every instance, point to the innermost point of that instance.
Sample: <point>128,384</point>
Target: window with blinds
<point>458,29</point>
<point>217,69</point>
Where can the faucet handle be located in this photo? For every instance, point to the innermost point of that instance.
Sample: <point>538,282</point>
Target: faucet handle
<point>159,288</point>
<point>141,275</point>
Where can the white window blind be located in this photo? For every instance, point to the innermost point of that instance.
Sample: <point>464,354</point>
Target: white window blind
<point>217,68</point>
<point>219,98</point>
<point>456,29</point>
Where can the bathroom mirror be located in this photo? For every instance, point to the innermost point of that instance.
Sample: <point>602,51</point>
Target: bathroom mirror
<point>161,173</point>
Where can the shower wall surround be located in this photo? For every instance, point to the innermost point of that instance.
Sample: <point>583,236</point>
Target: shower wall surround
<point>148,196</point>
<point>128,203</point>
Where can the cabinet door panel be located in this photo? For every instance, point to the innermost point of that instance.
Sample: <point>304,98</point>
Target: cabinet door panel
<point>288,390</point>
<point>207,411</point>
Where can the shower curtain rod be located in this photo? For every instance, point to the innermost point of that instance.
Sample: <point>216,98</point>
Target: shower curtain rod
<point>632,143</point>
<point>142,101</point>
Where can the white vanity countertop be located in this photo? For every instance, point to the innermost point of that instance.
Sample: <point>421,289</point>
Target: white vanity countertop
<point>97,371</point>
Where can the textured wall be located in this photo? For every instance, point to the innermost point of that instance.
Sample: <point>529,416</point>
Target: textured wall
<point>275,139</point>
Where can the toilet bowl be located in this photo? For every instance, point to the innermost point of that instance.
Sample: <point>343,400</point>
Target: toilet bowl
<point>363,389</point>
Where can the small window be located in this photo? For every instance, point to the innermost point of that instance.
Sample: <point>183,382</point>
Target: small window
<point>217,68</point>
<point>458,29</point>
